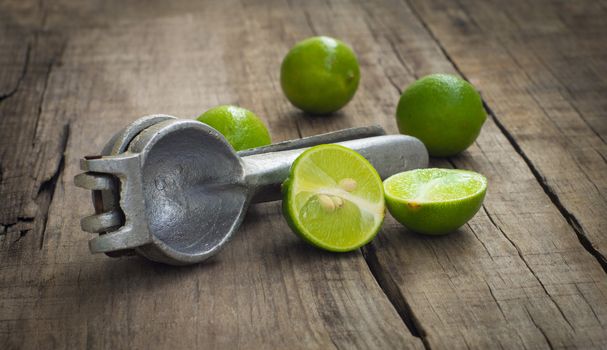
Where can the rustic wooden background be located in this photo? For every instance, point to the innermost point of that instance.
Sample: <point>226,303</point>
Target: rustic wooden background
<point>529,271</point>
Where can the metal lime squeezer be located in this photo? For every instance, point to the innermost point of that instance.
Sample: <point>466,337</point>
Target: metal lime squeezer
<point>175,191</point>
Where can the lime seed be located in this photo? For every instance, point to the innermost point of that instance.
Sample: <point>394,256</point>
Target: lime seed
<point>348,184</point>
<point>338,201</point>
<point>326,202</point>
<point>320,211</point>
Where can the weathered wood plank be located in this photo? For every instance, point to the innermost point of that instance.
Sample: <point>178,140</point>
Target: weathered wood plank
<point>29,165</point>
<point>15,34</point>
<point>267,289</point>
<point>545,58</point>
<point>513,277</point>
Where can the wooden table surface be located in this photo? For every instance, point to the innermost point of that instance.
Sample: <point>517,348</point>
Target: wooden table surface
<point>528,271</point>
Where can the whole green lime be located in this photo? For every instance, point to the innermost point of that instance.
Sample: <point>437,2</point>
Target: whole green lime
<point>241,127</point>
<point>443,111</point>
<point>320,75</point>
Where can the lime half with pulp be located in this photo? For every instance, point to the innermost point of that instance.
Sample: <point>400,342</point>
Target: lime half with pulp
<point>434,201</point>
<point>334,198</point>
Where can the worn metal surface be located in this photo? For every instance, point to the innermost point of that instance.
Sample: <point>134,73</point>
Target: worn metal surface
<point>527,272</point>
<point>330,137</point>
<point>182,191</point>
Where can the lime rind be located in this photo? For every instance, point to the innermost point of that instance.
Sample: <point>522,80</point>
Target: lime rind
<point>358,214</point>
<point>320,75</point>
<point>444,111</point>
<point>241,127</point>
<point>435,201</point>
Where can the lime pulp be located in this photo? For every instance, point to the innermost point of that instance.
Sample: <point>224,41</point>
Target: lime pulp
<point>434,201</point>
<point>334,198</point>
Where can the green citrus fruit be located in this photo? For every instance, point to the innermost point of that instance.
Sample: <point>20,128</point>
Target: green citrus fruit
<point>319,75</point>
<point>443,111</point>
<point>434,201</point>
<point>241,127</point>
<point>334,198</point>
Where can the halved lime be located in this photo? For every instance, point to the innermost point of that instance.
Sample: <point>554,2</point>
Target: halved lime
<point>435,201</point>
<point>334,198</point>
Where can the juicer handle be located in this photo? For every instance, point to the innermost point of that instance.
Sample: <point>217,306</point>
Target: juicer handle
<point>389,154</point>
<point>309,141</point>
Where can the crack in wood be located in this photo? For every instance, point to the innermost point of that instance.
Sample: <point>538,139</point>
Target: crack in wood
<point>569,217</point>
<point>601,155</point>
<point>538,327</point>
<point>5,227</point>
<point>298,128</point>
<point>567,89</point>
<point>20,219</point>
<point>310,24</point>
<point>522,257</point>
<point>403,63</point>
<point>588,303</point>
<point>49,69</point>
<point>481,241</point>
<point>46,191</point>
<point>547,115</point>
<point>22,234</point>
<point>496,301</point>
<point>392,292</point>
<point>401,60</point>
<point>19,80</point>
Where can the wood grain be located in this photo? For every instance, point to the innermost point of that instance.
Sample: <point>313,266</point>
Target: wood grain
<point>31,151</point>
<point>511,281</point>
<point>267,289</point>
<point>543,56</point>
<point>526,272</point>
